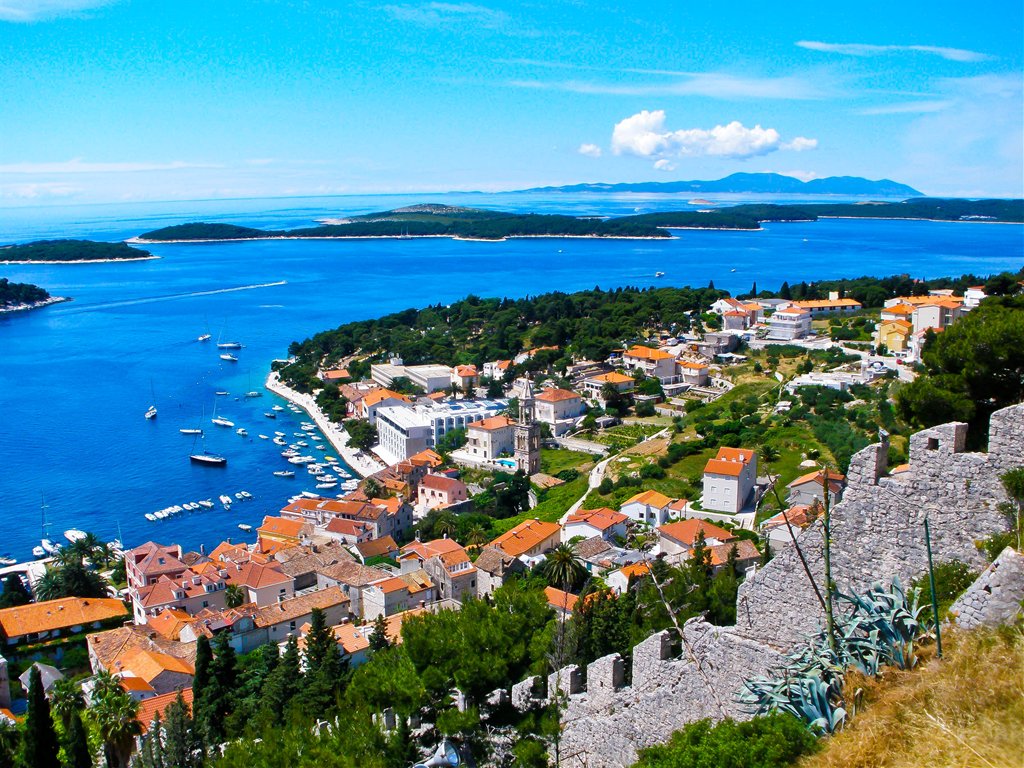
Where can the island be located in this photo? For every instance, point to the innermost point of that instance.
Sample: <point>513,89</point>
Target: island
<point>435,220</point>
<point>17,297</point>
<point>70,252</point>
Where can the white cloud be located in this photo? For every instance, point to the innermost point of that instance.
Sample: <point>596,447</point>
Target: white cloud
<point>802,175</point>
<point>590,150</point>
<point>909,107</point>
<point>644,135</point>
<point>865,49</point>
<point>436,15</point>
<point>664,165</point>
<point>715,85</point>
<point>78,166</point>
<point>37,191</point>
<point>40,10</point>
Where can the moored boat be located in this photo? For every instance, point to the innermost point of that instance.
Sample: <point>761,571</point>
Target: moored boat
<point>151,413</point>
<point>229,358</point>
<point>208,459</point>
<point>284,473</point>
<point>73,535</point>
<point>191,431</point>
<point>229,345</point>
<point>245,527</point>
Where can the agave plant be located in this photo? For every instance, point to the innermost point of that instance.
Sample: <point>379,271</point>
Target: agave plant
<point>888,615</point>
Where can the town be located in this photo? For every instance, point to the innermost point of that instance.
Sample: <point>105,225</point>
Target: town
<point>579,490</point>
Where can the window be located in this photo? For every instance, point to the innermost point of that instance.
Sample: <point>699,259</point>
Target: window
<point>933,444</point>
<point>291,626</point>
<point>206,603</point>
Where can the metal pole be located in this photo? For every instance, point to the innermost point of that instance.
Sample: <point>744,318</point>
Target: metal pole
<point>931,584</point>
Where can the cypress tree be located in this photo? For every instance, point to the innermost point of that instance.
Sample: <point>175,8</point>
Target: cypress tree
<point>284,682</point>
<point>201,685</point>
<point>753,290</point>
<point>76,746</point>
<point>711,285</point>
<point>379,637</point>
<point>181,746</point>
<point>218,698</point>
<point>40,740</point>
<point>785,292</point>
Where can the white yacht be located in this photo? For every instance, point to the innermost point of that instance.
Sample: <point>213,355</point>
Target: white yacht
<point>191,431</point>
<point>222,422</point>
<point>241,431</point>
<point>151,413</point>
<point>229,358</point>
<point>285,473</point>
<point>73,535</point>
<point>245,527</point>
<point>204,337</point>
<point>225,500</point>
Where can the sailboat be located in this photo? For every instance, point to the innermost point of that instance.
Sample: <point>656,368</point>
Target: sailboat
<point>207,459</point>
<point>46,544</point>
<point>193,430</point>
<point>227,344</point>
<point>219,421</point>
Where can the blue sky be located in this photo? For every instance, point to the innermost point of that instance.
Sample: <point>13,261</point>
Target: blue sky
<point>133,100</point>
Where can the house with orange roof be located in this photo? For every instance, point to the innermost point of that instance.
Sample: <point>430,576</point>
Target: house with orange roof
<point>169,622</point>
<point>810,487</point>
<point>729,480</point>
<point>735,320</point>
<point>726,304</point>
<point>397,593</point>
<point>529,539</point>
<point>593,386</point>
<point>900,311</point>
<point>465,377</point>
<point>52,618</point>
<point>441,491</point>
<point>489,439</point>
<point>603,522</point>
<point>618,580</point>
<point>496,369</point>
<point>447,564</point>
<point>334,375</point>
<point>833,305</point>
<point>348,531</point>
<point>352,578</point>
<point>146,563</point>
<point>938,313</point>
<point>790,323</point>
<point>693,373</point>
<point>282,530</point>
<point>650,507</point>
<point>385,546</point>
<point>973,296</point>
<point>676,540</point>
<point>558,408</point>
<point>894,335</point>
<point>562,602</point>
<point>284,618</point>
<point>157,705</point>
<point>161,671</point>
<point>379,398</point>
<point>745,553</point>
<point>779,532</point>
<point>653,362</point>
<point>239,624</point>
<point>136,688</point>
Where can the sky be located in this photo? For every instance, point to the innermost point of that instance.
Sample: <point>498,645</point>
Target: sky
<point>128,100</point>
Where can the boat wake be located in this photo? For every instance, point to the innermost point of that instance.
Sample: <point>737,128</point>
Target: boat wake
<point>172,297</point>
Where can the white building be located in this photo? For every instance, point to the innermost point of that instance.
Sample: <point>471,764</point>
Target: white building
<point>429,378</point>
<point>788,324</point>
<point>973,296</point>
<point>648,507</point>
<point>405,431</point>
<point>559,408</point>
<point>587,523</point>
<point>729,480</point>
<point>490,438</point>
<point>653,362</point>
<point>833,305</point>
<point>592,386</point>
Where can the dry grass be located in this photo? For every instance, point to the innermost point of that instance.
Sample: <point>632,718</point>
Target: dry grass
<point>966,710</point>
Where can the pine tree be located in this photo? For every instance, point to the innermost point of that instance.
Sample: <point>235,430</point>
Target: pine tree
<point>284,683</point>
<point>40,739</point>
<point>379,636</point>
<point>321,644</point>
<point>323,666</point>
<point>181,746</point>
<point>753,290</point>
<point>711,285</point>
<point>76,745</point>
<point>785,292</point>
<point>220,693</point>
<point>202,685</point>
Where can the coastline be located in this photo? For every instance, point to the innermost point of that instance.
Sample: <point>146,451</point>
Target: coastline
<point>83,261</point>
<point>38,305</point>
<point>139,241</point>
<point>334,433</point>
<point>918,218</point>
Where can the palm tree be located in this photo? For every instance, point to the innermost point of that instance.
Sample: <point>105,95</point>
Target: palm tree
<point>104,686</point>
<point>104,552</point>
<point>233,596</point>
<point>563,568</point>
<point>769,454</point>
<point>48,586</point>
<point>65,699</point>
<point>445,525</point>
<point>91,544</point>
<point>115,714</point>
<point>477,536</point>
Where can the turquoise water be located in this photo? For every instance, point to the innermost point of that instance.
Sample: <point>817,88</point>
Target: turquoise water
<point>76,378</point>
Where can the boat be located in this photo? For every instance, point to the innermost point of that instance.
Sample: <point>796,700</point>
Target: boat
<point>229,358</point>
<point>49,546</point>
<point>732,270</point>
<point>310,495</point>
<point>191,431</point>
<point>204,337</point>
<point>8,560</point>
<point>245,527</point>
<point>285,473</point>
<point>229,345</point>
<point>151,413</point>
<point>222,422</point>
<point>206,504</point>
<point>270,415</point>
<point>245,495</point>
<point>320,447</point>
<point>253,394</point>
<point>38,552</point>
<point>73,535</point>
<point>279,434</point>
<point>276,408</point>
<point>151,517</point>
<point>279,441</point>
<point>262,437</point>
<point>302,444</point>
<point>225,500</point>
<point>326,485</point>
<point>208,459</point>
<point>241,431</point>
<point>331,459</point>
<point>222,393</point>
<point>662,274</point>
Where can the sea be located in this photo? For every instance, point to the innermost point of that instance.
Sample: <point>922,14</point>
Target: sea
<point>77,377</point>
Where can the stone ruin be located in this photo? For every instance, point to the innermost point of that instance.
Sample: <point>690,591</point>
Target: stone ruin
<point>877,534</point>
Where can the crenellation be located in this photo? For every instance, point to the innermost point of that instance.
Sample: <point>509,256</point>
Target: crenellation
<point>568,681</point>
<point>605,676</point>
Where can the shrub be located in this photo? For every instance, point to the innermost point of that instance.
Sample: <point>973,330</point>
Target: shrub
<point>951,579</point>
<point>652,471</point>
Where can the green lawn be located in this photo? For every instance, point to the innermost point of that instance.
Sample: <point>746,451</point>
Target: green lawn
<point>553,461</point>
<point>554,505</point>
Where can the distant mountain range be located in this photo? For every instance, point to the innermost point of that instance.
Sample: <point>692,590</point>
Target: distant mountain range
<point>759,183</point>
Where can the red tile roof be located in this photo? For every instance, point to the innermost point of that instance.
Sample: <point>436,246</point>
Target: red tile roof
<point>686,531</point>
<point>492,423</point>
<point>557,396</point>
<point>525,536</point>
<point>149,708</point>
<point>601,518</point>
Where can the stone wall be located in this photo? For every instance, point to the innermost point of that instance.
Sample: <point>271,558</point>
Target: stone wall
<point>877,533</point>
<point>997,597</point>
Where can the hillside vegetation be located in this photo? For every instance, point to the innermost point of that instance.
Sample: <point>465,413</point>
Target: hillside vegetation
<point>71,250</point>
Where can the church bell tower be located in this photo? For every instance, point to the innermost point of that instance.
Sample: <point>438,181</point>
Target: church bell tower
<point>527,432</point>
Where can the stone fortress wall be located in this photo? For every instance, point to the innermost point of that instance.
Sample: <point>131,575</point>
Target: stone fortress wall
<point>877,533</point>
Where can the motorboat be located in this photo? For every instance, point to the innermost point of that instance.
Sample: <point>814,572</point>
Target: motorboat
<point>208,459</point>
<point>151,413</point>
<point>276,408</point>
<point>222,422</point>
<point>6,560</point>
<point>49,547</point>
<point>279,434</point>
<point>245,527</point>
<point>73,535</point>
<point>320,447</point>
<point>246,495</point>
<point>285,473</point>
<point>270,415</point>
<point>239,496</point>
<point>191,431</point>
<point>225,500</point>
<point>242,432</point>
<point>326,485</point>
<point>38,552</point>
<point>230,358</point>
<point>222,393</point>
<point>204,337</point>
<point>253,394</point>
<point>151,517</point>
<point>279,441</point>
<point>206,504</point>
<point>659,274</point>
<point>262,437</point>
<point>310,495</point>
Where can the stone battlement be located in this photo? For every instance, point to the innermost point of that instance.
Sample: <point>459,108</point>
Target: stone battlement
<point>877,534</point>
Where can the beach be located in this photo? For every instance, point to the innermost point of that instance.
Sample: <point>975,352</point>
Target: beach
<point>362,464</point>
